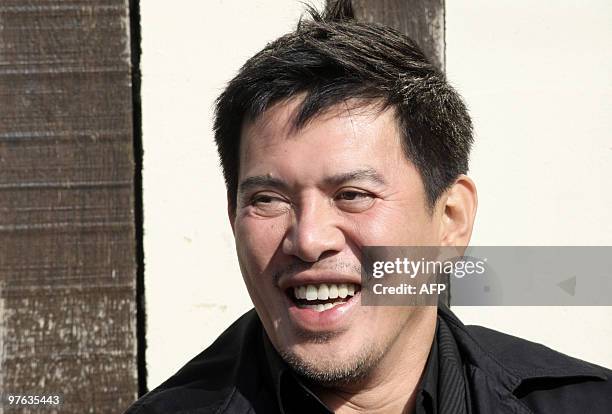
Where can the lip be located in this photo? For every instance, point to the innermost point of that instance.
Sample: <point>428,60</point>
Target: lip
<point>329,320</point>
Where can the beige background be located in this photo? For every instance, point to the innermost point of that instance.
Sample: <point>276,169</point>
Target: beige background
<point>536,76</point>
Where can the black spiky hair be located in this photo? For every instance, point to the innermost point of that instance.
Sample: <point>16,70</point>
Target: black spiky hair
<point>331,58</point>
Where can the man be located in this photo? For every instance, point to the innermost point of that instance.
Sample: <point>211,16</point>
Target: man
<point>337,136</point>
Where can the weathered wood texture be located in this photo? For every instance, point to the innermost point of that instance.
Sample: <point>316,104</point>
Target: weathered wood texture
<point>67,233</point>
<point>421,20</point>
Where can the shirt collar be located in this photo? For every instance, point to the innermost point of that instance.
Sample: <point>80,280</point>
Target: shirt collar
<point>292,395</point>
<point>428,388</point>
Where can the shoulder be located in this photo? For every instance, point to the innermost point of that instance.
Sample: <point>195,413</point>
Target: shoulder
<point>546,380</point>
<point>208,382</point>
<point>526,376</point>
<point>526,358</point>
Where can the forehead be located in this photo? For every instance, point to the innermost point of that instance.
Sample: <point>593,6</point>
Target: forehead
<point>351,129</point>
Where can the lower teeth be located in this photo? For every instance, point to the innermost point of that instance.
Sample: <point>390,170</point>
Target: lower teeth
<point>320,307</point>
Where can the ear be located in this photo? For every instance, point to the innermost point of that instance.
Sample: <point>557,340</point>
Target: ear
<point>231,212</point>
<point>458,212</point>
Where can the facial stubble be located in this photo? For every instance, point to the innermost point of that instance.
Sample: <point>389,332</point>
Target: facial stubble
<point>332,372</point>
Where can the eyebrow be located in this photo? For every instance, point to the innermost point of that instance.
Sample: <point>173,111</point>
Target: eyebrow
<point>364,174</point>
<point>259,181</point>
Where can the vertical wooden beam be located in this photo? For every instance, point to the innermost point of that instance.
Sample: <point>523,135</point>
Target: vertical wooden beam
<point>421,20</point>
<point>67,232</point>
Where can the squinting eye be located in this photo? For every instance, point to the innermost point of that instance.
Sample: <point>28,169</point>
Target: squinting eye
<point>269,204</point>
<point>263,199</point>
<point>354,201</point>
<point>351,195</point>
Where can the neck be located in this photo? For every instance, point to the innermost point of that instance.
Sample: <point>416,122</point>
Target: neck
<point>392,385</point>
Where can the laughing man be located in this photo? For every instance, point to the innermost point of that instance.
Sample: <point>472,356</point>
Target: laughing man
<point>336,136</point>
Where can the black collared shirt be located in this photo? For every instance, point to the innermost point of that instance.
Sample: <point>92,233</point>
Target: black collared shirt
<point>470,369</point>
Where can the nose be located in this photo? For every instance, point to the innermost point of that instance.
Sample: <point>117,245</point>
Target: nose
<point>314,231</point>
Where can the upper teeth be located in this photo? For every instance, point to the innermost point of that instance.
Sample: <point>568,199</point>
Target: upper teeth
<point>324,291</point>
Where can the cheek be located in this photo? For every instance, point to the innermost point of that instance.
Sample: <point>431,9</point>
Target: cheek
<point>257,240</point>
<point>390,225</point>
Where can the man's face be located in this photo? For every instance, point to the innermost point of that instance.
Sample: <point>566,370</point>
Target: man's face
<point>308,201</point>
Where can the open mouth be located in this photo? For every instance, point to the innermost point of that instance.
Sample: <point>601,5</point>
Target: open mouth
<point>323,296</point>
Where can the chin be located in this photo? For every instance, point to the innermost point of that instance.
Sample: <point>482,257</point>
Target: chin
<point>330,363</point>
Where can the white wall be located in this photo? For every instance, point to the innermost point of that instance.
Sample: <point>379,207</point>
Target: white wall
<point>536,77</point>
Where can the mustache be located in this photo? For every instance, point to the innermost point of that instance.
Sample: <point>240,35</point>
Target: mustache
<point>336,267</point>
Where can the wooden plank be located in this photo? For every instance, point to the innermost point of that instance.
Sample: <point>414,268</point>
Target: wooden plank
<point>421,20</point>
<point>67,232</point>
